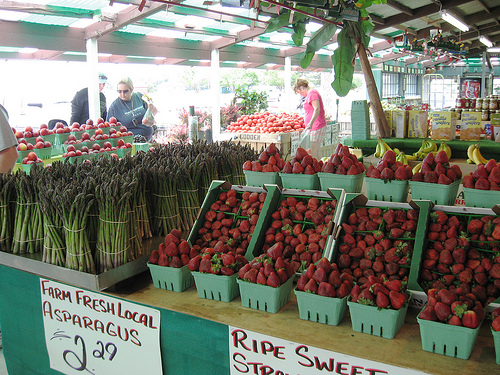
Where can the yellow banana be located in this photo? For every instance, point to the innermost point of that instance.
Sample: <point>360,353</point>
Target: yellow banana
<point>470,161</point>
<point>444,147</point>
<point>478,158</point>
<point>411,157</point>
<point>401,157</point>
<point>416,168</point>
<point>397,151</point>
<point>377,150</point>
<point>434,146</point>
<point>470,150</point>
<point>427,146</point>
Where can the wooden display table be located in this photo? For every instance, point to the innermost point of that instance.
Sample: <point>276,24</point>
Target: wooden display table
<point>195,336</point>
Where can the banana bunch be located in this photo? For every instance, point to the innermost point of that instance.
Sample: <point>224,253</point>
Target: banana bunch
<point>382,148</point>
<point>474,155</point>
<point>427,147</point>
<point>401,157</point>
<point>444,147</point>
<point>417,168</point>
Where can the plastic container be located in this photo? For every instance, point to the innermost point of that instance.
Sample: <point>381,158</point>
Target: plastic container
<point>350,183</point>
<point>216,287</point>
<point>389,191</point>
<point>436,193</point>
<point>141,147</point>
<point>263,297</point>
<point>299,181</point>
<point>378,322</point>
<point>121,152</point>
<point>169,278</point>
<point>321,309</point>
<point>43,153</point>
<point>446,339</point>
<point>481,198</point>
<point>496,340</point>
<point>260,178</point>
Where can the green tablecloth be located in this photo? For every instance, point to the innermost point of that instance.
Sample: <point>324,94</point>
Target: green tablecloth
<point>489,149</point>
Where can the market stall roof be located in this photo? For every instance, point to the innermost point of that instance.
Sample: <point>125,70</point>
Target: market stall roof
<point>184,32</point>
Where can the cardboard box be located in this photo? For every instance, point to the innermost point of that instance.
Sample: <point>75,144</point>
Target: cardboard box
<point>259,141</point>
<point>444,125</point>
<point>470,127</point>
<point>400,123</point>
<point>417,124</point>
<point>388,116</point>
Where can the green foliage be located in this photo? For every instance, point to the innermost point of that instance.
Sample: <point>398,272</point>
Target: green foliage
<point>319,38</point>
<point>250,102</point>
<point>229,114</point>
<point>342,60</point>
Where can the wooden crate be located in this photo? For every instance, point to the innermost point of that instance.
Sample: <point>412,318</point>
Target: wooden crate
<point>260,141</point>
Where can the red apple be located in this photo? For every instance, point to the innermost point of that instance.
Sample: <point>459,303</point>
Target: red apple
<point>44,131</point>
<point>47,144</point>
<point>30,146</point>
<point>123,129</point>
<point>96,147</point>
<point>59,131</point>
<point>36,133</point>
<point>43,126</point>
<point>112,131</point>
<point>112,120</point>
<point>107,144</point>
<point>120,142</point>
<point>22,140</point>
<point>128,145</point>
<point>84,149</point>
<point>28,134</point>
<point>22,147</point>
<point>99,137</point>
<point>38,139</point>
<point>25,160</point>
<point>89,122</point>
<point>98,131</point>
<point>32,156</point>
<point>72,154</point>
<point>89,127</point>
<point>78,152</point>
<point>28,129</point>
<point>70,148</point>
<point>100,120</point>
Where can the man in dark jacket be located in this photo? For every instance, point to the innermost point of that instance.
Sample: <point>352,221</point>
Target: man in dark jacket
<point>80,103</point>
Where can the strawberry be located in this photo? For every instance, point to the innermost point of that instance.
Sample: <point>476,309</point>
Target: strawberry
<point>482,184</point>
<point>250,275</point>
<point>443,311</point>
<point>475,226</point>
<point>400,174</point>
<point>394,285</point>
<point>387,174</point>
<point>398,299</point>
<point>366,297</point>
<point>320,275</point>
<point>428,313</point>
<point>194,263</point>
<point>382,300</point>
<point>444,180</point>
<point>470,319</point>
<point>396,232</point>
<point>154,257</point>
<point>273,280</point>
<point>495,324</point>
<point>163,260</point>
<point>326,289</point>
<point>455,321</point>
<point>175,262</point>
<point>311,286</point>
<point>301,282</point>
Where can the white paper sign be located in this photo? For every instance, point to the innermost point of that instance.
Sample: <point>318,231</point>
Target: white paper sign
<point>295,138</point>
<point>90,333</point>
<point>254,353</point>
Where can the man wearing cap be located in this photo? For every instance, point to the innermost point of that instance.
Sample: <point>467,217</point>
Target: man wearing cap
<point>80,103</point>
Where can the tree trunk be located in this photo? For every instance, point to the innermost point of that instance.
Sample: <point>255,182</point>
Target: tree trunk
<point>376,105</point>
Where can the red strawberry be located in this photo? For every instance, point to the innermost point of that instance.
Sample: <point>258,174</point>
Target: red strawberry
<point>389,157</point>
<point>387,174</point>
<point>194,263</point>
<point>443,179</point>
<point>297,168</point>
<point>154,257</point>
<point>455,321</point>
<point>431,177</point>
<point>470,319</point>
<point>326,289</point>
<point>163,260</point>
<point>250,275</point>
<point>366,297</point>
<point>273,280</point>
<point>382,300</point>
<point>311,286</point>
<point>320,275</point>
<point>398,299</point>
<point>400,174</point>
<point>176,262</point>
<point>482,184</point>
<point>394,285</point>
<point>495,324</point>
<point>428,313</point>
<point>443,311</point>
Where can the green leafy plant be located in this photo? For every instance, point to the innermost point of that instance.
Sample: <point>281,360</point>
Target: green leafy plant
<point>249,102</point>
<point>229,114</point>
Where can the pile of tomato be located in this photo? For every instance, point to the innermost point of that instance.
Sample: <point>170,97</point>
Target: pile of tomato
<point>267,123</point>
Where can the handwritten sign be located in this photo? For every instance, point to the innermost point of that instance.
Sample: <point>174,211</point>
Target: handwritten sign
<point>295,139</point>
<point>254,353</point>
<point>90,333</point>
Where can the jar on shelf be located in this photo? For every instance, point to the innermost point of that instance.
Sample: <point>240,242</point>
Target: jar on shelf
<point>486,103</point>
<point>479,103</point>
<point>459,103</point>
<point>472,103</point>
<point>493,103</point>
<point>466,103</point>
<point>485,116</point>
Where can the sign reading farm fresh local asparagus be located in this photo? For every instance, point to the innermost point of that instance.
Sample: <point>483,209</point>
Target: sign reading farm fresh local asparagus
<point>90,333</point>
<point>254,353</point>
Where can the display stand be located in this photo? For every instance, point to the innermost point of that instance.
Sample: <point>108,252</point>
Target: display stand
<point>195,333</point>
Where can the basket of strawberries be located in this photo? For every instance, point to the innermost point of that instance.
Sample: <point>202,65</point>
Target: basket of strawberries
<point>301,172</point>
<point>482,187</point>
<point>266,169</point>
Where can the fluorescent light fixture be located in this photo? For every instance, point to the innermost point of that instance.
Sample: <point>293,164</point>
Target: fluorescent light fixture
<point>28,50</point>
<point>494,50</point>
<point>485,41</point>
<point>448,17</point>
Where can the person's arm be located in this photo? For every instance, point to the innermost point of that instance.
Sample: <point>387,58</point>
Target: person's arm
<point>8,159</point>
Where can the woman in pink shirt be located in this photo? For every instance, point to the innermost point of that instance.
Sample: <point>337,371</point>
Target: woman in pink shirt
<point>314,117</point>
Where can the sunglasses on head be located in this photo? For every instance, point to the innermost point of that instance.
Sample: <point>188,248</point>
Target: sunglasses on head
<point>122,91</point>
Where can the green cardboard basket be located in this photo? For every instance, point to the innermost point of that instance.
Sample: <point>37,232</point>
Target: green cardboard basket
<point>436,193</point>
<point>43,153</point>
<point>447,339</point>
<point>141,147</point>
<point>377,322</point>
<point>390,191</point>
<point>299,181</point>
<point>321,309</point>
<point>481,198</point>
<point>260,178</point>
<point>121,152</point>
<point>216,287</point>
<point>169,278</point>
<point>496,340</point>
<point>263,297</point>
<point>351,183</point>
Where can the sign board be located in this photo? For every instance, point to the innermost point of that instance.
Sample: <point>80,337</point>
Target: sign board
<point>295,139</point>
<point>444,125</point>
<point>255,353</point>
<point>91,333</point>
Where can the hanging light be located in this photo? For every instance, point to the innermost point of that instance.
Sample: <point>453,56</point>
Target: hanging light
<point>485,41</point>
<point>448,17</point>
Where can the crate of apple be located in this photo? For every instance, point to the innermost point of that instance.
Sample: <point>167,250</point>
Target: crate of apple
<point>31,158</point>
